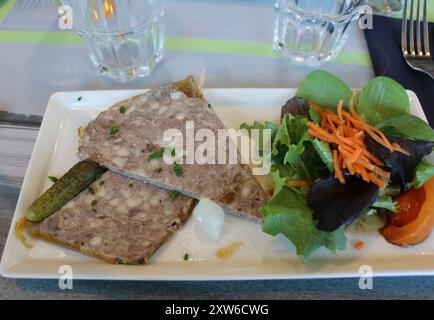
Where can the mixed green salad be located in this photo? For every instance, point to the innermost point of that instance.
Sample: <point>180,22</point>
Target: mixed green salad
<point>312,204</point>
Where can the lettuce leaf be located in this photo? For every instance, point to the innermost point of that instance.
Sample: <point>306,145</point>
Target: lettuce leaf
<point>385,202</point>
<point>292,131</point>
<point>259,126</point>
<point>424,172</point>
<point>323,150</point>
<point>314,163</point>
<point>287,214</point>
<point>371,212</point>
<point>293,157</point>
<point>282,175</point>
<point>401,166</point>
<point>381,98</point>
<point>295,147</point>
<point>324,89</point>
<point>291,144</point>
<point>409,126</point>
<point>335,204</point>
<point>314,116</point>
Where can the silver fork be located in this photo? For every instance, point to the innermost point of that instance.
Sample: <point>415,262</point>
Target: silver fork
<point>417,52</point>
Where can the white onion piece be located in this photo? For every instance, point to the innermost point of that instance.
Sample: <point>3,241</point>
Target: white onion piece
<point>210,218</point>
<point>370,223</point>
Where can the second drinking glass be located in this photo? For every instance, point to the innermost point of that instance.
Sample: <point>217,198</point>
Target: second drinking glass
<point>124,39</point>
<point>313,32</point>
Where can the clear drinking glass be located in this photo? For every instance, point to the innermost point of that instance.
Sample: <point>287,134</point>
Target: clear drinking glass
<point>386,6</point>
<point>124,38</point>
<point>313,32</point>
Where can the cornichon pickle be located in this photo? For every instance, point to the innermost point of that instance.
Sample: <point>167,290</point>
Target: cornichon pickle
<point>64,189</point>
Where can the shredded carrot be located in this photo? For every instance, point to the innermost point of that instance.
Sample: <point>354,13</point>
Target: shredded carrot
<point>353,109</point>
<point>299,183</point>
<point>331,122</point>
<point>375,169</point>
<point>340,105</point>
<point>363,172</point>
<point>377,138</point>
<point>359,245</point>
<point>322,132</point>
<point>346,132</point>
<point>350,167</point>
<point>398,148</point>
<point>355,156</point>
<point>359,134</point>
<point>380,137</point>
<point>315,106</point>
<point>374,179</point>
<point>337,165</point>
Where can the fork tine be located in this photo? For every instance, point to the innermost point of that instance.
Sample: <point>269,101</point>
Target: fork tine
<point>412,51</point>
<point>404,45</point>
<point>419,49</point>
<point>425,29</point>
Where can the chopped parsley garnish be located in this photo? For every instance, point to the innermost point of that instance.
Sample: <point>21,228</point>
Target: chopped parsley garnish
<point>156,154</point>
<point>173,194</point>
<point>91,191</point>
<point>186,256</point>
<point>53,179</point>
<point>114,130</point>
<point>101,183</point>
<point>173,152</point>
<point>122,109</point>
<point>177,168</point>
<point>209,105</point>
<point>93,203</point>
<point>79,98</point>
<point>159,170</point>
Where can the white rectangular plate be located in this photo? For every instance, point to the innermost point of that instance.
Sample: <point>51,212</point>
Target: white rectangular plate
<point>261,256</point>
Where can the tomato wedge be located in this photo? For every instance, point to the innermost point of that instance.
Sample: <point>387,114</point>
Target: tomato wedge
<point>419,227</point>
<point>409,206</point>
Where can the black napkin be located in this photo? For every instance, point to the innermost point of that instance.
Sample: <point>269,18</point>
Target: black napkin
<point>384,42</point>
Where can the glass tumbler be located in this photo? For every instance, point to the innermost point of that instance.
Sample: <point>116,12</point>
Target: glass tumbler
<point>313,32</point>
<point>124,38</point>
<point>386,6</point>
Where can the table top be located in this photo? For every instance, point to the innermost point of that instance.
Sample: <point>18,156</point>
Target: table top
<point>225,43</point>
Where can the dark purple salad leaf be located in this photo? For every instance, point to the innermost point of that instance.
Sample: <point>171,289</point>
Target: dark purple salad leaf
<point>401,166</point>
<point>295,107</point>
<point>335,204</point>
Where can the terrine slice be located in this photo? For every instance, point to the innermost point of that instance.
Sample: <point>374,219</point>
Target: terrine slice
<point>123,137</point>
<point>120,220</point>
